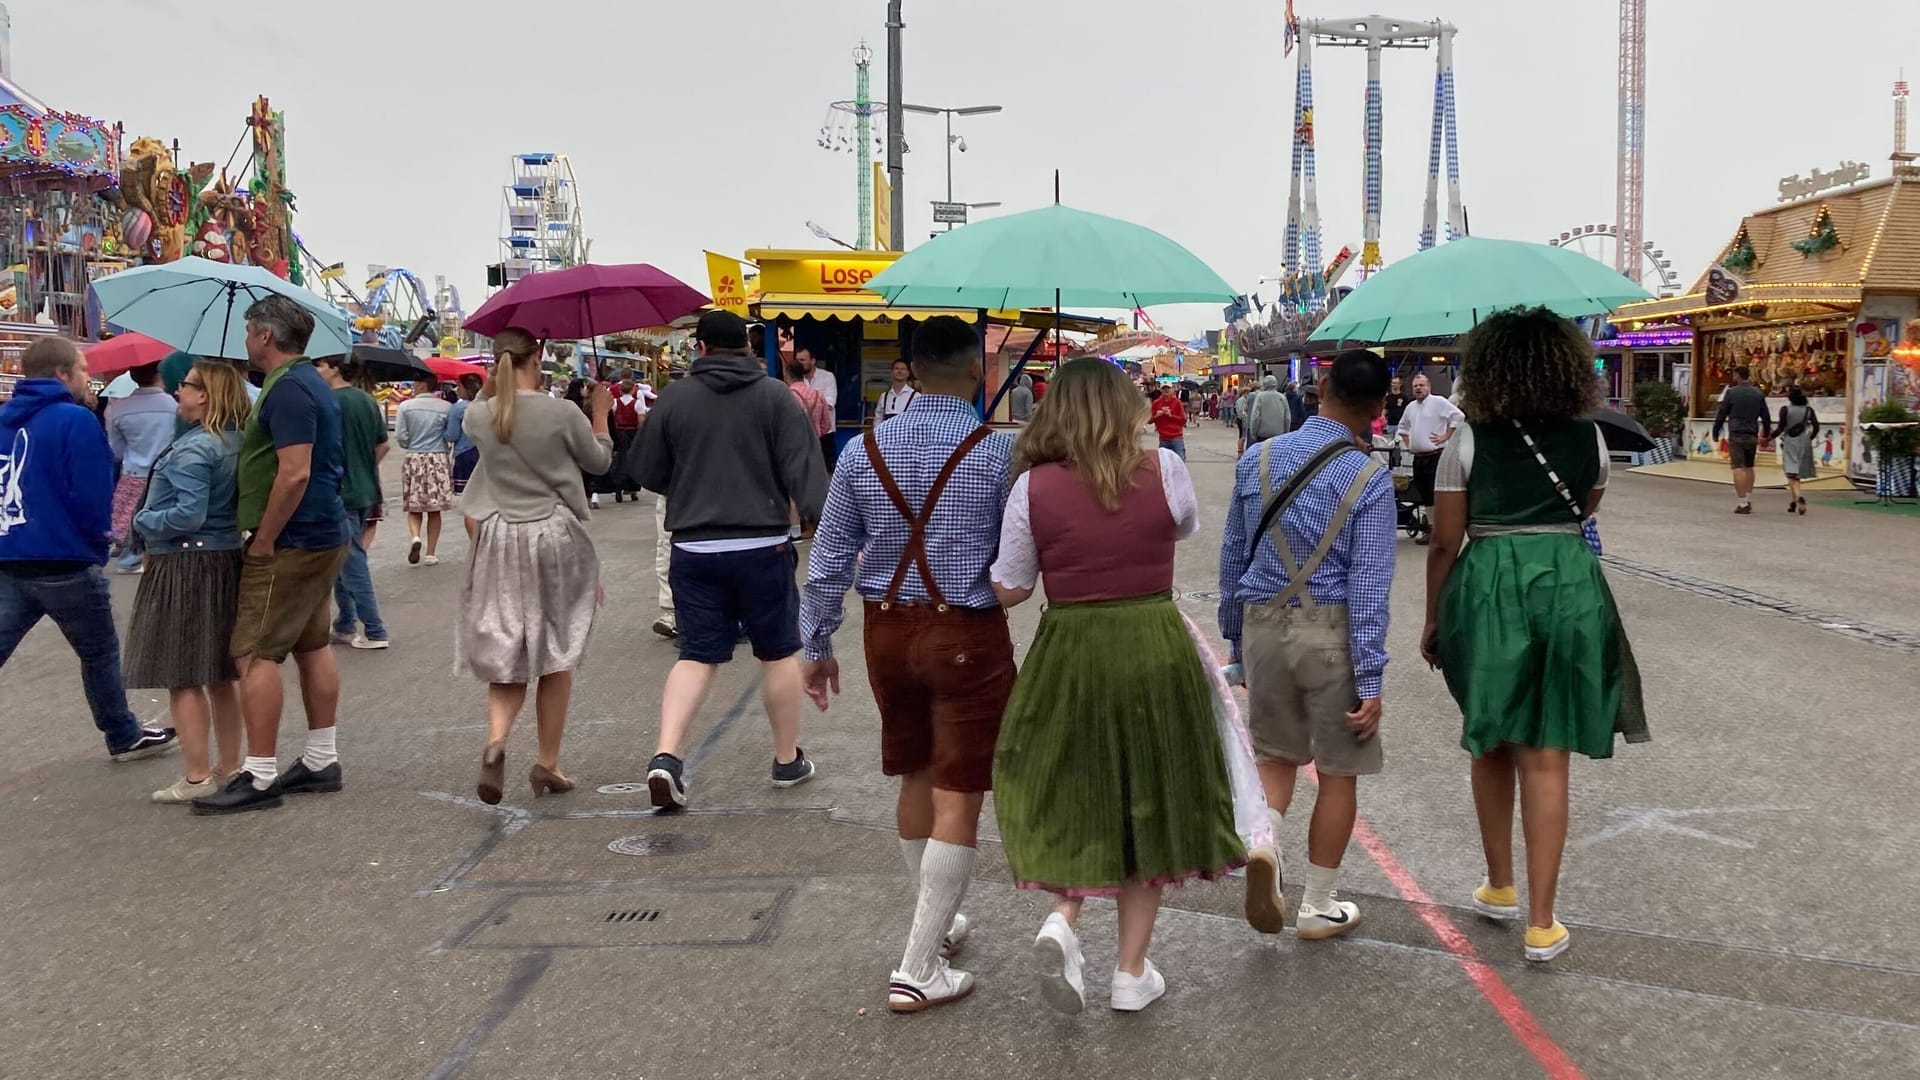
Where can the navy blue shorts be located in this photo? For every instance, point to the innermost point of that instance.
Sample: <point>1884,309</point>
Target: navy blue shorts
<point>715,594</point>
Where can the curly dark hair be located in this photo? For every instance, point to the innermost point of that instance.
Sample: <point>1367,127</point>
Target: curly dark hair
<point>1526,364</point>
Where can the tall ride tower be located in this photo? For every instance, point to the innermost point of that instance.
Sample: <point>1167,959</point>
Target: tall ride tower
<point>1630,190</point>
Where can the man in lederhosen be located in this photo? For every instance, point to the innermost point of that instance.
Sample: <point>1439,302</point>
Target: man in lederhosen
<point>914,511</point>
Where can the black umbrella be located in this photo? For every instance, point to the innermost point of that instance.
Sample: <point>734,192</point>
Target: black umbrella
<point>390,365</point>
<point>1622,432</point>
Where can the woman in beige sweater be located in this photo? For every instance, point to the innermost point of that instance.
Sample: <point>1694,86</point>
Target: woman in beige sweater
<point>534,581</point>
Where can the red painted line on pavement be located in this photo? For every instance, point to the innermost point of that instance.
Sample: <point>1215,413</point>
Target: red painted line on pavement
<point>1520,1020</point>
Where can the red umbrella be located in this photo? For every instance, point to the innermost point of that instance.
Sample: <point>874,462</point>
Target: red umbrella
<point>446,367</point>
<point>587,301</point>
<point>124,353</point>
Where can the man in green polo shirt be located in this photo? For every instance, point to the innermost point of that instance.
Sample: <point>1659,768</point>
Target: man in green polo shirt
<point>290,471</point>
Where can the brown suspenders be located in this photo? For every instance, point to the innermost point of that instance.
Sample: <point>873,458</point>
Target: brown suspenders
<point>915,553</point>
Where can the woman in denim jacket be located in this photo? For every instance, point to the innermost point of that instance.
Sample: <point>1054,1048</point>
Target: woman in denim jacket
<point>183,614</point>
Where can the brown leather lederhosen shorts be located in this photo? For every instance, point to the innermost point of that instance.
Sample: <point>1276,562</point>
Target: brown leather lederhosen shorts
<point>941,675</point>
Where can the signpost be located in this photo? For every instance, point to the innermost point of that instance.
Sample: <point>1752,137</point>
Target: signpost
<point>952,213</point>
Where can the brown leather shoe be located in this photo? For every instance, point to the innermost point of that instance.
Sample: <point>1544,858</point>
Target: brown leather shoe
<point>493,773</point>
<point>545,781</point>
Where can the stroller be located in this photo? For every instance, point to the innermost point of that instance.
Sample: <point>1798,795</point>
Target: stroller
<point>1410,514</point>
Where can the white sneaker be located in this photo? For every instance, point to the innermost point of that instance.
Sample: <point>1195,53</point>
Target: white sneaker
<point>429,560</point>
<point>413,550</point>
<point>1131,993</point>
<point>1266,908</point>
<point>906,994</point>
<point>956,936</point>
<point>340,638</point>
<point>1338,918</point>
<point>593,502</point>
<point>362,641</point>
<point>1056,952</point>
<point>182,791</point>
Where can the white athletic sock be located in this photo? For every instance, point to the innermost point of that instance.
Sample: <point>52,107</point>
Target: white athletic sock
<point>945,870</point>
<point>913,851</point>
<point>1275,819</point>
<point>320,752</point>
<point>1319,893</point>
<point>264,769</point>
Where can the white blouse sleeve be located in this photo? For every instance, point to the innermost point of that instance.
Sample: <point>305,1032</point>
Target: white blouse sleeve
<point>1018,566</point>
<point>1177,484</point>
<point>1456,461</point>
<point>1606,459</point>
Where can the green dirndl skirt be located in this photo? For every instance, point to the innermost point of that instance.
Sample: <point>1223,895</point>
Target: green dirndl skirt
<point>1109,768</point>
<point>1533,650</point>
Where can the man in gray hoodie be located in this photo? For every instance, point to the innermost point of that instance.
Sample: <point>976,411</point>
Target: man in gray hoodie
<point>734,455</point>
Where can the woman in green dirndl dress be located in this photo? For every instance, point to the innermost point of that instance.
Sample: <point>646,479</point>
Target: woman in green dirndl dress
<point>1522,622</point>
<point>1109,777</point>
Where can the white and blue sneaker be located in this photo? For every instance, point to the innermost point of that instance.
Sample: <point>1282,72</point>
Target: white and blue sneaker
<point>906,994</point>
<point>1332,921</point>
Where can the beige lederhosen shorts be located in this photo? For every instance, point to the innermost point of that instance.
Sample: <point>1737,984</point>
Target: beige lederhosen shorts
<point>1299,669</point>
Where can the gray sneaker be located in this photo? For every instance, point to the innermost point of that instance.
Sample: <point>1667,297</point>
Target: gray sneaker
<point>795,772</point>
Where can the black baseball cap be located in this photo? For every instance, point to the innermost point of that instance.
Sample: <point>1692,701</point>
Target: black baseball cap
<point>723,329</point>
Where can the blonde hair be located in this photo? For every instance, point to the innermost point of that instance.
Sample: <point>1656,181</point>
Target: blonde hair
<point>226,392</point>
<point>1090,420</point>
<point>513,350</point>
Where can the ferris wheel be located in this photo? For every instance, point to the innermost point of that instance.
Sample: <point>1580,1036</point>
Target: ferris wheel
<point>1602,244</point>
<point>545,229</point>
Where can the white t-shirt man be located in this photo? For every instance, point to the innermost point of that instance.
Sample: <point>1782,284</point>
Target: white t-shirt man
<point>1427,420</point>
<point>822,380</point>
<point>895,402</point>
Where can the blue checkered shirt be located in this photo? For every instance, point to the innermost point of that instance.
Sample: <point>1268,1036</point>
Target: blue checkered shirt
<point>861,521</point>
<point>1358,569</point>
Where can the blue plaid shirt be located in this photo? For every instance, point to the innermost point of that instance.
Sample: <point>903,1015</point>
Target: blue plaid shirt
<point>860,521</point>
<point>1358,569</point>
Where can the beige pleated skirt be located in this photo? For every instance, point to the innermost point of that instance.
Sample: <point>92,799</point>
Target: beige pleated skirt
<point>528,603</point>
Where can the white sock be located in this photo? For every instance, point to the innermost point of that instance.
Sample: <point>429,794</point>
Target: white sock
<point>320,752</point>
<point>913,851</point>
<point>1275,819</point>
<point>1319,892</point>
<point>264,769</point>
<point>945,870</point>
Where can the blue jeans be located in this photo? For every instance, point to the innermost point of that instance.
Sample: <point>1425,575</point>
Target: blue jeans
<point>717,594</point>
<point>82,608</point>
<point>353,598</point>
<point>1178,446</point>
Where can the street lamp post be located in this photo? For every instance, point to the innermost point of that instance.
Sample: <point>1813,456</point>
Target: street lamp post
<point>969,110</point>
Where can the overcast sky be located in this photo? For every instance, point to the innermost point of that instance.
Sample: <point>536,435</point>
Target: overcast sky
<point>693,126</point>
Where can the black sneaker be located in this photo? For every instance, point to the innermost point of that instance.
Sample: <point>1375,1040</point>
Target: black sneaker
<point>301,780</point>
<point>664,782</point>
<point>238,797</point>
<point>795,772</point>
<point>152,743</point>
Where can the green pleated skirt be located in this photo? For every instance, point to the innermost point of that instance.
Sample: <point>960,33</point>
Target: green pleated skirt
<point>1109,769</point>
<point>1533,649</point>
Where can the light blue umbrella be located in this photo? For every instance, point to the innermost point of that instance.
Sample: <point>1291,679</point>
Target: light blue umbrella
<point>199,306</point>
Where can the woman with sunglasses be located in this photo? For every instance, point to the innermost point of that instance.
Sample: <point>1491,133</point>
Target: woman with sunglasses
<point>183,612</point>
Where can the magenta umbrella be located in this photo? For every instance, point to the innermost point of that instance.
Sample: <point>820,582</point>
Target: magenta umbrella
<point>588,301</point>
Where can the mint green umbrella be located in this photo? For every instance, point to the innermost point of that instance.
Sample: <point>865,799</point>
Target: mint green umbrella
<point>1449,289</point>
<point>1054,256</point>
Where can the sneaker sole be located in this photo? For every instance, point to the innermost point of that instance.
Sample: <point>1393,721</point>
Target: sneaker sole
<point>220,811</point>
<point>145,752</point>
<point>1055,990</point>
<point>1541,956</point>
<point>1266,912</point>
<point>1331,930</point>
<point>368,646</point>
<point>797,781</point>
<point>1495,911</point>
<point>661,786</point>
<point>909,1007</point>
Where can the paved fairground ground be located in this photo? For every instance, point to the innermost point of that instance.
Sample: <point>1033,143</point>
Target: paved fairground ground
<point>1741,890</point>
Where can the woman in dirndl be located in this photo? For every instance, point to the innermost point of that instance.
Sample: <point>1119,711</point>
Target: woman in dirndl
<point>1109,778</point>
<point>1522,622</point>
<point>533,581</point>
<point>183,612</point>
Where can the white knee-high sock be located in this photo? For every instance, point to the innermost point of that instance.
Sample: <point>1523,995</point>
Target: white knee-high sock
<point>945,870</point>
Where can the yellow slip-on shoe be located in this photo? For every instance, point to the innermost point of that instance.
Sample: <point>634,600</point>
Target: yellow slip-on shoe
<point>1497,903</point>
<point>1544,944</point>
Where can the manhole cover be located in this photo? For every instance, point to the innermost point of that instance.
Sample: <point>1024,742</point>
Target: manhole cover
<point>657,844</point>
<point>1209,597</point>
<point>629,788</point>
<point>629,919</point>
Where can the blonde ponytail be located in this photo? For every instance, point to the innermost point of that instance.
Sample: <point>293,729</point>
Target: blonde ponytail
<point>513,349</point>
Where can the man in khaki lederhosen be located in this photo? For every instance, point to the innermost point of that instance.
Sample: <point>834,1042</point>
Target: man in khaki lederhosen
<point>1312,633</point>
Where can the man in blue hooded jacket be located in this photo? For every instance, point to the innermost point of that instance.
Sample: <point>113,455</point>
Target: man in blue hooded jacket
<point>56,496</point>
